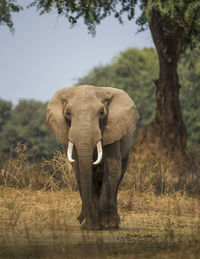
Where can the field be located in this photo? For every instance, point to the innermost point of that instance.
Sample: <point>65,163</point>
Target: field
<point>43,224</point>
<point>39,203</point>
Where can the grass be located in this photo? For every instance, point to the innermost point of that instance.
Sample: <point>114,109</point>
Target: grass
<point>37,221</point>
<point>150,173</point>
<point>159,207</point>
<point>22,171</point>
<point>147,173</point>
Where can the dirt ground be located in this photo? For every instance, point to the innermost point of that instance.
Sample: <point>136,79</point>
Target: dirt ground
<point>43,224</point>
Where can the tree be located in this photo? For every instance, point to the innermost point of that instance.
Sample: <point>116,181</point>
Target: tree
<point>7,7</point>
<point>5,112</point>
<point>173,24</point>
<point>27,125</point>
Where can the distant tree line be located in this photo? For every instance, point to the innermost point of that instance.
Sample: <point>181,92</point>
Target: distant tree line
<point>25,123</point>
<point>133,71</point>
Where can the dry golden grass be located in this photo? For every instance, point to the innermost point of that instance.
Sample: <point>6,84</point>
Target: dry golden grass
<point>48,218</point>
<point>22,171</point>
<point>151,173</point>
<point>43,223</point>
<point>172,217</point>
<point>147,173</point>
<point>158,203</point>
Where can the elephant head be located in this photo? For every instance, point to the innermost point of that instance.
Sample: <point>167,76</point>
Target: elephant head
<point>90,114</point>
<point>85,117</point>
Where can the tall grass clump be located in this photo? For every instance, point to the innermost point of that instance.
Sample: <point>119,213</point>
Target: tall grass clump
<point>151,173</point>
<point>21,170</point>
<point>190,178</point>
<point>147,172</point>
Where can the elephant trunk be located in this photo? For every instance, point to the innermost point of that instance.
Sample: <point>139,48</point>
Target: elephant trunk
<point>85,158</point>
<point>85,137</point>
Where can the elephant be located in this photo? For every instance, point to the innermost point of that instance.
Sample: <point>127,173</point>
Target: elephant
<point>95,126</point>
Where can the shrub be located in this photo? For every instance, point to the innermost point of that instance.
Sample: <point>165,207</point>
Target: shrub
<point>22,171</point>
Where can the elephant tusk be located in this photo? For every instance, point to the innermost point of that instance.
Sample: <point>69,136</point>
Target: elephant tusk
<point>100,153</point>
<point>69,152</point>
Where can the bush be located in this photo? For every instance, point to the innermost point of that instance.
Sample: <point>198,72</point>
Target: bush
<point>152,173</point>
<point>22,171</point>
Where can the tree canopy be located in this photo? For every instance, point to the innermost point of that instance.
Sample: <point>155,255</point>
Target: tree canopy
<point>25,124</point>
<point>174,13</point>
<point>7,7</point>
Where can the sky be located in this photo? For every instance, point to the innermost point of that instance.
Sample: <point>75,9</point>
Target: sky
<point>46,54</point>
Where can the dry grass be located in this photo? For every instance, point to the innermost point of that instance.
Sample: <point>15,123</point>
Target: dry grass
<point>149,173</point>
<point>158,203</point>
<point>37,211</point>
<point>22,171</point>
<point>38,220</point>
<point>169,217</point>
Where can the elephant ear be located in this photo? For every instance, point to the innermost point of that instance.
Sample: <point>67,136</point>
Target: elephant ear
<point>55,115</point>
<point>122,116</point>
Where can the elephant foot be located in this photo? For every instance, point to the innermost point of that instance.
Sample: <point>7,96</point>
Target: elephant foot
<point>87,226</point>
<point>111,226</point>
<point>81,217</point>
<point>110,222</point>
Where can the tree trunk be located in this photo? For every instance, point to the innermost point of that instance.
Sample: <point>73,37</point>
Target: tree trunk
<point>167,132</point>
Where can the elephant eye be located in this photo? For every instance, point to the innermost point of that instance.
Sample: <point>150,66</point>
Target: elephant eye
<point>68,117</point>
<point>101,112</point>
<point>68,114</point>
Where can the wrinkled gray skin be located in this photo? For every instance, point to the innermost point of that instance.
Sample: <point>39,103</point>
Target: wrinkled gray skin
<point>85,115</point>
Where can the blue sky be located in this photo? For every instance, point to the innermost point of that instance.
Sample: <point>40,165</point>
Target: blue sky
<point>45,54</point>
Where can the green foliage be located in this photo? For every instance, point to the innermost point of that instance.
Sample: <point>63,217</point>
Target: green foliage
<point>5,112</point>
<point>133,72</point>
<point>183,13</point>
<point>189,75</point>
<point>92,12</point>
<point>6,8</point>
<point>26,124</point>
<point>175,14</point>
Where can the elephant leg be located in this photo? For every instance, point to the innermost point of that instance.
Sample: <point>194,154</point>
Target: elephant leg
<point>125,148</point>
<point>112,176</point>
<point>124,165</point>
<point>97,173</point>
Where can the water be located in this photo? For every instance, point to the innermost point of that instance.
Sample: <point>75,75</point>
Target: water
<point>75,243</point>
